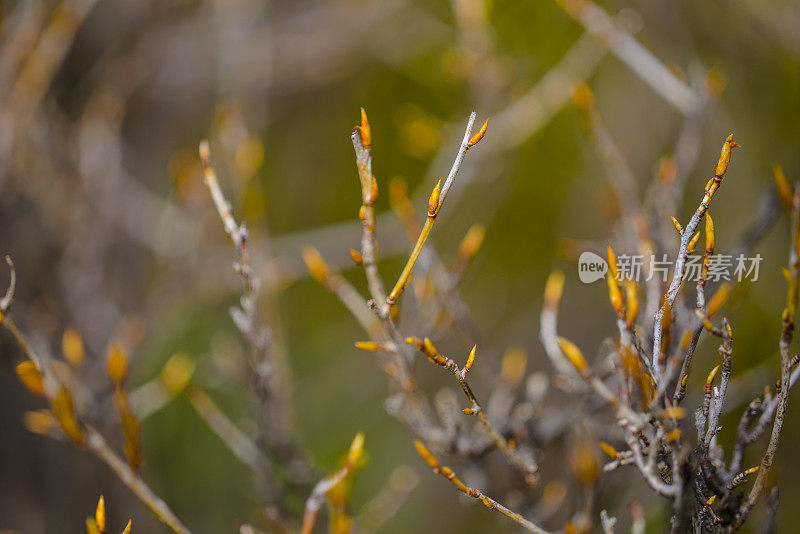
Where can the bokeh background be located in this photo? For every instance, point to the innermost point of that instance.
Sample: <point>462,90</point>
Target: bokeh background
<point>103,209</point>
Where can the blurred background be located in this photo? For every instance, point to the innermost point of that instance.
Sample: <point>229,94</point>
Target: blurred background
<point>104,211</point>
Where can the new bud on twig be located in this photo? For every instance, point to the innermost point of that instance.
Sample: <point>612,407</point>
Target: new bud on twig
<point>100,515</point>
<point>710,238</point>
<point>433,200</point>
<point>608,450</point>
<point>614,291</point>
<point>30,377</point>
<point>117,364</point>
<point>470,359</point>
<point>478,135</point>
<point>364,131</point>
<point>368,346</point>
<point>677,225</point>
<point>358,259</point>
<point>575,356</point>
<point>316,265</point>
<point>725,156</point>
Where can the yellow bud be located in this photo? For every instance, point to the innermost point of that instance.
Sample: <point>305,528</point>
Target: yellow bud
<point>358,259</point>
<point>612,262</point>
<point>72,347</point>
<point>784,190</point>
<point>710,239</point>
<point>711,500</point>
<point>468,411</point>
<point>673,435</point>
<point>472,241</point>
<point>478,135</point>
<point>100,515</point>
<point>30,377</point>
<point>615,294</point>
<point>356,449</point>
<point>117,364</point>
<point>693,243</point>
<point>364,131</point>
<point>554,288</point>
<point>433,200</point>
<point>373,192</point>
<point>674,412</point>
<point>608,450</point>
<point>686,339</point>
<point>678,226</point>
<point>725,156</point>
<point>316,265</point>
<point>127,528</point>
<point>573,354</point>
<point>719,298</point>
<point>91,526</point>
<point>64,412</point>
<point>429,348</point>
<point>632,307</point>
<point>39,421</point>
<point>177,373</point>
<point>470,359</point>
<point>711,376</point>
<point>368,346</point>
<point>748,472</point>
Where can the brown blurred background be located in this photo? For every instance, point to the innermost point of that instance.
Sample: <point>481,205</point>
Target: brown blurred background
<point>103,209</point>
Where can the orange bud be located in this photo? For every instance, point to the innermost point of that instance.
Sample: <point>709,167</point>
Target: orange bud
<point>39,422</point>
<point>612,262</point>
<point>573,354</point>
<point>364,131</point>
<point>678,226</point>
<point>373,191</point>
<point>64,411</point>
<point>725,156</point>
<point>470,359</point>
<point>711,500</point>
<point>433,200</point>
<point>100,515</point>
<point>358,259</point>
<point>711,376</point>
<point>693,243</point>
<point>632,306</point>
<point>478,135</point>
<point>673,435</point>
<point>608,450</point>
<point>710,239</point>
<point>30,377</point>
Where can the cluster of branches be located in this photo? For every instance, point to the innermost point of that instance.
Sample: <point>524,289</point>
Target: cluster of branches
<point>642,388</point>
<point>639,379</point>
